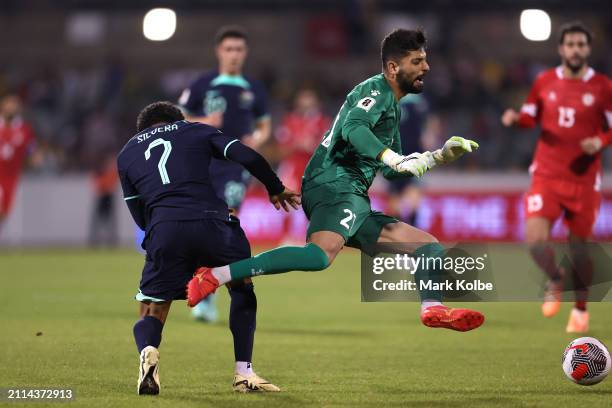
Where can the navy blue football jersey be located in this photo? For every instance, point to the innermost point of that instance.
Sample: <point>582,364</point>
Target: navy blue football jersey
<point>414,109</point>
<point>242,101</point>
<point>167,168</point>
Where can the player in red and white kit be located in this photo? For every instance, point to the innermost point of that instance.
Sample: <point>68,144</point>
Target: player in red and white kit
<point>16,138</point>
<point>573,105</point>
<point>298,136</point>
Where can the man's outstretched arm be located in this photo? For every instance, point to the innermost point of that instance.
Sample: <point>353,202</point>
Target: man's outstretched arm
<point>261,170</point>
<point>356,130</point>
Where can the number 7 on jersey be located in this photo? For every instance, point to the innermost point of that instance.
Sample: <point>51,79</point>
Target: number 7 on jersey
<point>161,166</point>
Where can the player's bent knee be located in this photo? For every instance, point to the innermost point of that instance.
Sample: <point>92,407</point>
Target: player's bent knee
<point>401,232</point>
<point>316,258</point>
<point>427,238</point>
<point>329,242</point>
<point>536,231</point>
<point>536,238</point>
<point>156,310</point>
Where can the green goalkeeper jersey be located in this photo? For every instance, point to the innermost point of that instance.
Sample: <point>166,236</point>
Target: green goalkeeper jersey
<point>366,124</point>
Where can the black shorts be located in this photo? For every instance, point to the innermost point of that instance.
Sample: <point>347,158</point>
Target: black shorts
<point>175,249</point>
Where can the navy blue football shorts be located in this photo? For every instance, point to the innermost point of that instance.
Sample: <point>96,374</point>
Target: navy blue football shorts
<point>175,249</point>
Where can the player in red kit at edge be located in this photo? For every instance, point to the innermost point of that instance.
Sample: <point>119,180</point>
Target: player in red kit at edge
<point>573,105</point>
<point>16,139</point>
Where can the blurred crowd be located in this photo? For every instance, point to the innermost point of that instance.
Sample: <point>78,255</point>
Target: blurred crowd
<point>81,116</point>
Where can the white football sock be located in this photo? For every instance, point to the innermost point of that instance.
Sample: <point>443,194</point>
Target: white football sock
<point>222,274</point>
<point>244,368</point>
<point>429,303</point>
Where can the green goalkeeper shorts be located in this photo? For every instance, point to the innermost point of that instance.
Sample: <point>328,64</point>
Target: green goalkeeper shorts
<point>347,214</point>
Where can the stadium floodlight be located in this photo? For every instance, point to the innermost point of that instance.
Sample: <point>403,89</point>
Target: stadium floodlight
<point>159,24</point>
<point>535,25</point>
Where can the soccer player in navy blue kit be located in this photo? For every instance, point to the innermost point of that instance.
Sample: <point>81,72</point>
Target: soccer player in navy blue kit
<point>237,105</point>
<point>164,173</point>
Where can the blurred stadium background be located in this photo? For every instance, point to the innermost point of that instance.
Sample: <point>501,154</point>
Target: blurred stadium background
<point>84,69</point>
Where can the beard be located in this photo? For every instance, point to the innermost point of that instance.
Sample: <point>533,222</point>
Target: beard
<point>575,64</point>
<point>409,85</point>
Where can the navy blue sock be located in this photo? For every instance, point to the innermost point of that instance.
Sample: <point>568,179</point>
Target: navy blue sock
<point>147,332</point>
<point>243,311</point>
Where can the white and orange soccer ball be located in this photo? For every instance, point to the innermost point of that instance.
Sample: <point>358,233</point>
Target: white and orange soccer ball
<point>586,361</point>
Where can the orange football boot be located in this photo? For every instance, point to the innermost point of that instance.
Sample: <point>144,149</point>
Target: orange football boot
<point>578,321</point>
<point>454,319</point>
<point>201,285</point>
<point>552,298</point>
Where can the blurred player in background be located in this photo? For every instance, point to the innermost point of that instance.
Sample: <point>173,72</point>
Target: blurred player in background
<point>103,228</point>
<point>363,139</point>
<point>297,137</point>
<point>573,105</point>
<point>168,189</point>
<point>405,192</point>
<point>16,142</point>
<point>226,99</point>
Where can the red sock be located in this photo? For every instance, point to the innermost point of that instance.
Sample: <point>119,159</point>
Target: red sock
<point>581,305</point>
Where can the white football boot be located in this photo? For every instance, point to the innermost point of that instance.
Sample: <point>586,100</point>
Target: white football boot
<point>253,383</point>
<point>148,377</point>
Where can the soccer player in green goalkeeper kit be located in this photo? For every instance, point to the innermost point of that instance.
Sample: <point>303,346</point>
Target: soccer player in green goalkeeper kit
<point>363,139</point>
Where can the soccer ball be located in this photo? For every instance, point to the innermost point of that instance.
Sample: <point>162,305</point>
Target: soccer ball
<point>586,361</point>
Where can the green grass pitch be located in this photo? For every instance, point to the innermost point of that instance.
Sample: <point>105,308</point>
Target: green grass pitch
<point>315,339</point>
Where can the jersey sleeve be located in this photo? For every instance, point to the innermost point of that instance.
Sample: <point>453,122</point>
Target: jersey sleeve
<point>388,172</point>
<point>531,109</point>
<point>231,149</point>
<point>129,191</point>
<point>132,199</point>
<point>260,106</point>
<point>191,100</point>
<point>361,117</point>
<point>219,143</point>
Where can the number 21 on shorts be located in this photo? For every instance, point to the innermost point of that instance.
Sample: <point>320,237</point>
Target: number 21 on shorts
<point>350,218</point>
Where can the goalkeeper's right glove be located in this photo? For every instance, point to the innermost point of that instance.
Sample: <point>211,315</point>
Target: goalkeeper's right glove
<point>416,163</point>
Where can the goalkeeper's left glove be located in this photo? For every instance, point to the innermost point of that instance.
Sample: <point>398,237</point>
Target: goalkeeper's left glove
<point>454,148</point>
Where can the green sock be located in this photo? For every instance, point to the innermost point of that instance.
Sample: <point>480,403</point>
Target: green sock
<point>434,273</point>
<point>280,260</point>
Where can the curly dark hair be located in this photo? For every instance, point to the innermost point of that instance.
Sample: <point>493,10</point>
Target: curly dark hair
<point>158,112</point>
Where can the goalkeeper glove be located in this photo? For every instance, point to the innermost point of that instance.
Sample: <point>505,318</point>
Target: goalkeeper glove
<point>416,163</point>
<point>454,148</point>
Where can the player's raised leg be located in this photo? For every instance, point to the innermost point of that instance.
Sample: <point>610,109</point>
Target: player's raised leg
<point>147,334</point>
<point>310,257</point>
<point>433,312</point>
